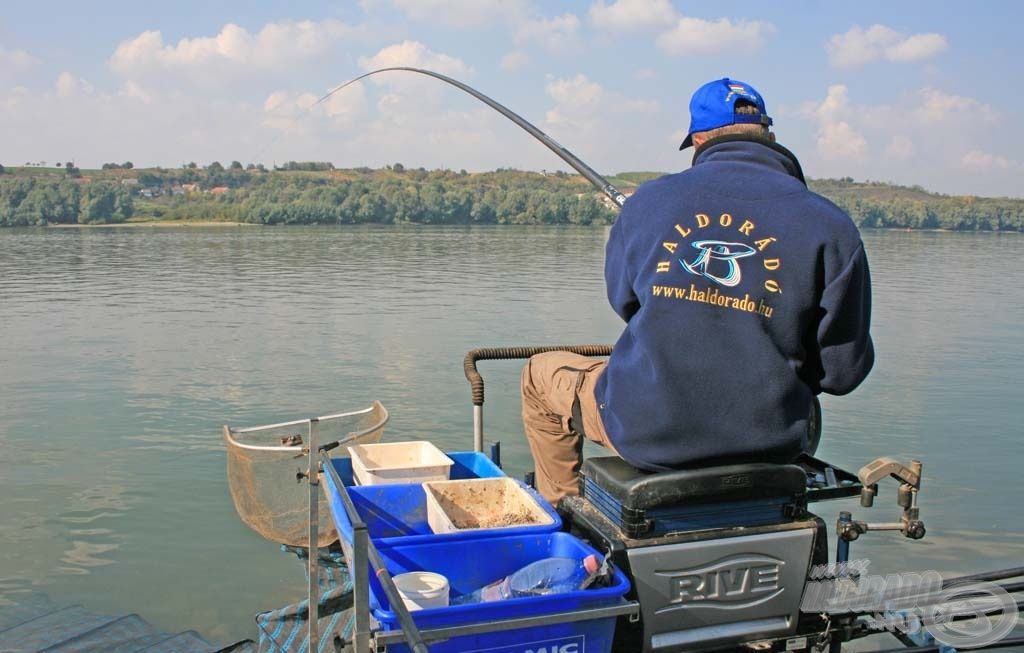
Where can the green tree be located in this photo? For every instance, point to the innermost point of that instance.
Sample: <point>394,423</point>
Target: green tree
<point>103,203</point>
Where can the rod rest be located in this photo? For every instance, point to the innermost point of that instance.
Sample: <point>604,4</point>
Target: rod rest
<point>637,489</point>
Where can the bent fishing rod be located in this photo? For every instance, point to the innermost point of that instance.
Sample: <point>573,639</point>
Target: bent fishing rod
<point>588,173</point>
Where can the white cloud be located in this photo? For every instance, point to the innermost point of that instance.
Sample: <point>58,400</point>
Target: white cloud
<point>350,101</point>
<point>838,140</point>
<point>576,99</point>
<point>15,62</point>
<point>835,137</point>
<point>917,47</point>
<point>645,73</point>
<point>900,148</point>
<point>514,61</point>
<point>71,121</point>
<point>918,136</point>
<point>136,92</point>
<point>462,13</point>
<point>632,15</point>
<point>559,34</point>
<point>348,104</point>
<point>415,55</point>
<point>582,104</point>
<point>983,161</point>
<point>67,85</point>
<point>299,113</point>
<point>234,51</point>
<point>859,46</point>
<point>835,105</point>
<point>699,36</point>
<point>584,114</point>
<point>936,107</point>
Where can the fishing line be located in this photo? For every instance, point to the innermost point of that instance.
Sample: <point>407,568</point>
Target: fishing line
<point>588,173</point>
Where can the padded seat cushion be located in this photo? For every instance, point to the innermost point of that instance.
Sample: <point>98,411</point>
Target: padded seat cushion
<point>641,490</point>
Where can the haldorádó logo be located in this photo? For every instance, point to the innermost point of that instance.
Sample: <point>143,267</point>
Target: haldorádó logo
<point>712,251</point>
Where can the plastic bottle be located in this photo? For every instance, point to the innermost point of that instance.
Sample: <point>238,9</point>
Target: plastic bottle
<point>547,576</point>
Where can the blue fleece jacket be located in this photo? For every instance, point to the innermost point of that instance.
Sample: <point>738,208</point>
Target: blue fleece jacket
<point>744,295</point>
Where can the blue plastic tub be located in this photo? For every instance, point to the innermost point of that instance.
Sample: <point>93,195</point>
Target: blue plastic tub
<point>471,563</point>
<point>397,514</point>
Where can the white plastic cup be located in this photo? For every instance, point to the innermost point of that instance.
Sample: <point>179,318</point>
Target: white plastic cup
<point>421,590</point>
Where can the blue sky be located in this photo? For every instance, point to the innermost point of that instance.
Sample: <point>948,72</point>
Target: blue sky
<point>909,92</point>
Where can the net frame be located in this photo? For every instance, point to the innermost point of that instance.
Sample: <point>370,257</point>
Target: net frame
<point>266,465</point>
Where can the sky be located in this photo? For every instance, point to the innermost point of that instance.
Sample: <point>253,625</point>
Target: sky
<point>914,93</point>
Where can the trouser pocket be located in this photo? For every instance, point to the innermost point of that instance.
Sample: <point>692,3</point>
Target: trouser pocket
<point>576,413</point>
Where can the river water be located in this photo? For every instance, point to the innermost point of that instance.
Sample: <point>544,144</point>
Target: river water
<point>124,350</point>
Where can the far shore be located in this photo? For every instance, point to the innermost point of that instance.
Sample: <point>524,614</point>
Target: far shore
<point>215,223</point>
<point>156,223</point>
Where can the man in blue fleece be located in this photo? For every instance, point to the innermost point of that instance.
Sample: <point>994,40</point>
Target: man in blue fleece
<point>744,295</point>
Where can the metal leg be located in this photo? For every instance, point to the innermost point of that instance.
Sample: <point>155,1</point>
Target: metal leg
<point>313,595</point>
<point>842,556</point>
<point>478,428</point>
<point>842,544</point>
<point>361,589</point>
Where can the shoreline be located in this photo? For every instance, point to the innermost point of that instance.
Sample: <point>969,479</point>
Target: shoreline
<point>215,223</point>
<point>155,223</point>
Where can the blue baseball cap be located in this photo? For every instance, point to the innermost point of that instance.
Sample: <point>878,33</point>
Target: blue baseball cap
<point>714,105</point>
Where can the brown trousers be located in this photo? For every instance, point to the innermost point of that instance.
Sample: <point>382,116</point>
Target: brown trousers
<point>552,383</point>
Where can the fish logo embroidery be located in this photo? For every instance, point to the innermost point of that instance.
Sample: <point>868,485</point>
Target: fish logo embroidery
<point>717,261</point>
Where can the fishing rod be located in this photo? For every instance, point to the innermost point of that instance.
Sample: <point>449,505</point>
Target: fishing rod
<point>588,173</point>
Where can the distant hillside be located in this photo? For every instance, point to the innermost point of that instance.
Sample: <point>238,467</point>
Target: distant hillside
<point>882,205</point>
<point>317,193</point>
<point>877,204</point>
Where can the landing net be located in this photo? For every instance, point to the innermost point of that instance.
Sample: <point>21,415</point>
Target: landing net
<point>266,464</point>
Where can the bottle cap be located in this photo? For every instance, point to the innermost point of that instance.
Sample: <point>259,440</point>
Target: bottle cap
<point>591,563</point>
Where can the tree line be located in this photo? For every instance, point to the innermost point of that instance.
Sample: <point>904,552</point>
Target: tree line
<point>874,204</point>
<point>313,193</point>
<point>42,200</point>
<point>317,193</point>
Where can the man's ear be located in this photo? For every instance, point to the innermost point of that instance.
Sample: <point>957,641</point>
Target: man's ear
<point>771,136</point>
<point>698,138</point>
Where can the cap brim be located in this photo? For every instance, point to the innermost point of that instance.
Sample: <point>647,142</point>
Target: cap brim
<point>687,142</point>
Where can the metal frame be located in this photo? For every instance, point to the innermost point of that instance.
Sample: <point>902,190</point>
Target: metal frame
<point>624,608</point>
<point>228,431</point>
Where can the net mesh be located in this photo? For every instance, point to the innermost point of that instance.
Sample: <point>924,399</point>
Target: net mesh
<point>267,488</point>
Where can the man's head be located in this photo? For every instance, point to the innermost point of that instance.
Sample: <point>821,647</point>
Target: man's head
<point>726,106</point>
